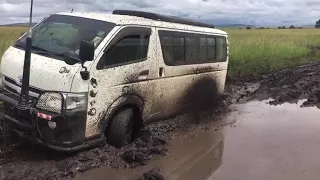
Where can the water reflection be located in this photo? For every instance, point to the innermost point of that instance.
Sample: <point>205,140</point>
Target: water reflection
<point>272,142</point>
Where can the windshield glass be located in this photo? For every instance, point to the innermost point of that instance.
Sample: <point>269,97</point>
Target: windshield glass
<point>59,34</point>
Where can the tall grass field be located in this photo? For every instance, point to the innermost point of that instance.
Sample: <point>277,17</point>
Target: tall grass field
<point>257,51</point>
<point>252,51</point>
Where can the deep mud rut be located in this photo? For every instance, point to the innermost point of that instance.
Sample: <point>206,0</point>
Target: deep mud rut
<point>289,85</point>
<point>23,161</point>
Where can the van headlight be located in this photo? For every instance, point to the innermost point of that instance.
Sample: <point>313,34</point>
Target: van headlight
<point>56,102</point>
<point>75,101</point>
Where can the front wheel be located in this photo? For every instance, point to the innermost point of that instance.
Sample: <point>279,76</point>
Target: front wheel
<point>120,129</point>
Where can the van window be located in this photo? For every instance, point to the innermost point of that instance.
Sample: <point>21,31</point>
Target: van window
<point>180,48</point>
<point>167,48</point>
<point>203,49</point>
<point>59,34</point>
<point>211,49</point>
<point>192,49</point>
<point>128,49</point>
<point>221,49</point>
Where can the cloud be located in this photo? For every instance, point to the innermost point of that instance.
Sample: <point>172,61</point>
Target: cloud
<point>256,12</point>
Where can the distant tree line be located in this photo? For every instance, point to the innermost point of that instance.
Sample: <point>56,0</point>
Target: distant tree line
<point>290,27</point>
<point>280,27</point>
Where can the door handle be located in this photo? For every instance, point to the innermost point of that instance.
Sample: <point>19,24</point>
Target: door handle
<point>161,72</point>
<point>143,75</point>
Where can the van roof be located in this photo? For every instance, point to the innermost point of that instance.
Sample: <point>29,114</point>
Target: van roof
<point>121,19</point>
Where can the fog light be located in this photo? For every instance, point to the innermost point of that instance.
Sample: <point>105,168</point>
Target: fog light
<point>52,124</point>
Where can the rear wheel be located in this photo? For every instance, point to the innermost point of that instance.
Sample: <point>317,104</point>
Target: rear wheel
<point>120,129</point>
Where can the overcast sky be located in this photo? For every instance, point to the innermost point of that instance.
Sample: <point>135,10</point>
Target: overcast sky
<point>255,12</point>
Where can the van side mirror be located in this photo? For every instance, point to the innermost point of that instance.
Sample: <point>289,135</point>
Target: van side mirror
<point>86,52</point>
<point>71,58</point>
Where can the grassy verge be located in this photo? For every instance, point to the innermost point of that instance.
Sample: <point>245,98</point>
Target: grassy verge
<point>256,51</point>
<point>8,35</point>
<point>251,51</point>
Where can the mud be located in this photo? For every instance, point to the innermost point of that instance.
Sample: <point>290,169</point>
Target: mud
<point>153,174</point>
<point>266,142</point>
<point>289,85</point>
<point>194,154</point>
<point>35,162</point>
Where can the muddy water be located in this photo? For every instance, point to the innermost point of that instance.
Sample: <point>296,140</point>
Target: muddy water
<point>267,142</point>
<point>194,155</point>
<point>272,142</point>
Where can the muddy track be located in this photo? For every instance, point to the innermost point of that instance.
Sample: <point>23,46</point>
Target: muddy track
<point>22,161</point>
<point>289,85</point>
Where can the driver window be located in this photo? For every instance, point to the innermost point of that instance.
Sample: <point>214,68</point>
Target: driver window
<point>132,47</point>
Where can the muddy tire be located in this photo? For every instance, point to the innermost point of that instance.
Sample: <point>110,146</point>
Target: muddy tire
<point>121,128</point>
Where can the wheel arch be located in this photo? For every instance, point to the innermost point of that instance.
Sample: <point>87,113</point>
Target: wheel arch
<point>133,101</point>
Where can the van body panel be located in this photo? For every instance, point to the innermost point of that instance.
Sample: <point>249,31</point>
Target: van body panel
<point>134,79</point>
<point>45,73</point>
<point>187,86</point>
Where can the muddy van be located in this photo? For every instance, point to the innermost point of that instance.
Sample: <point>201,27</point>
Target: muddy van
<point>97,78</point>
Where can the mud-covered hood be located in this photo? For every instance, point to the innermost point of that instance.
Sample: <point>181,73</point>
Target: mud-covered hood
<point>45,73</point>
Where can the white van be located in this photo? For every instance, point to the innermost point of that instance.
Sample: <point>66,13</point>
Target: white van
<point>98,78</point>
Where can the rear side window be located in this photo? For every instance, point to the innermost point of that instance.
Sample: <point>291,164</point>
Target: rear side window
<point>211,49</point>
<point>180,48</point>
<point>192,49</point>
<point>221,49</point>
<point>131,45</point>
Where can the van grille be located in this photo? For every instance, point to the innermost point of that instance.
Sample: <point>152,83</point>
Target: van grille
<point>12,82</point>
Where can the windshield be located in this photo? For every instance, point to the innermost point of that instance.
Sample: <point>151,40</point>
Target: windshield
<point>59,34</point>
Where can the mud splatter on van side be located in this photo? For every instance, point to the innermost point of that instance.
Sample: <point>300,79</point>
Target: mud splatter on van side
<point>202,96</point>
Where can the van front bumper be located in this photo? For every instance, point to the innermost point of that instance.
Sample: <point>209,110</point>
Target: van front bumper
<point>68,135</point>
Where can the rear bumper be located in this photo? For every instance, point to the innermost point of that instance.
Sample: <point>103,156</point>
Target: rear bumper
<point>68,136</point>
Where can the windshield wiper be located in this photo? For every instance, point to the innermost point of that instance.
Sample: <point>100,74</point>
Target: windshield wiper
<point>42,51</point>
<point>20,45</point>
<point>39,50</point>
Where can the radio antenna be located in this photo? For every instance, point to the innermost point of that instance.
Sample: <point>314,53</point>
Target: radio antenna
<point>24,94</point>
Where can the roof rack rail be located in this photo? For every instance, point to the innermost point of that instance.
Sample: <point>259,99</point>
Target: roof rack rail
<point>159,17</point>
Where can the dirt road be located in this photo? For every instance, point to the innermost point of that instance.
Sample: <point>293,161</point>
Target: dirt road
<point>251,141</point>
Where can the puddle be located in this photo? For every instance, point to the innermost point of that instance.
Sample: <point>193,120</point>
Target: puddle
<point>267,142</point>
<point>272,142</point>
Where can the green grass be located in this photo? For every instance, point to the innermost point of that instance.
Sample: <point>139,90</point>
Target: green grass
<point>8,35</point>
<point>256,51</point>
<point>251,51</point>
